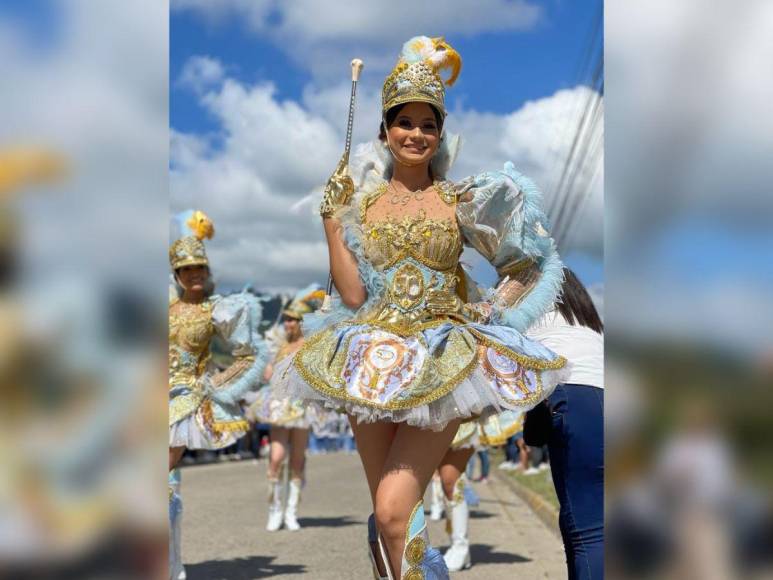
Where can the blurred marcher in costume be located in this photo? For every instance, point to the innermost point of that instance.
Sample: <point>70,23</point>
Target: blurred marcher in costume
<point>290,419</point>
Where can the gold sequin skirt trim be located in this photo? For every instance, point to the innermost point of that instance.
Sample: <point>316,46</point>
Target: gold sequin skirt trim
<point>529,362</point>
<point>340,392</point>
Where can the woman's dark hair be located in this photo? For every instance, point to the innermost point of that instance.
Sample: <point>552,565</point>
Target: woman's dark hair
<point>575,304</point>
<point>392,113</point>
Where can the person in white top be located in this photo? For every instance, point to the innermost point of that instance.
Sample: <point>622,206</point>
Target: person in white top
<point>571,422</point>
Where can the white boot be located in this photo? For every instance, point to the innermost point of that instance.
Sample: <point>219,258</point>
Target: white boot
<point>436,500</point>
<point>176,569</point>
<point>275,511</point>
<point>457,557</point>
<point>293,499</point>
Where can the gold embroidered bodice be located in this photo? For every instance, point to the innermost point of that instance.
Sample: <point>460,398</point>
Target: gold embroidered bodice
<point>190,332</point>
<point>418,253</point>
<point>433,242</point>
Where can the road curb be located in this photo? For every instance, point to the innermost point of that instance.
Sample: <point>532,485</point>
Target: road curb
<point>547,514</point>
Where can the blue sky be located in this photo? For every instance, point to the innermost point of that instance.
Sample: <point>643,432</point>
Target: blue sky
<point>525,65</point>
<point>503,71</point>
<point>38,20</point>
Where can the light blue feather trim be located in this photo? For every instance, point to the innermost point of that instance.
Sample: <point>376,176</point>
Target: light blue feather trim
<point>372,279</point>
<point>231,393</point>
<point>234,391</point>
<point>539,247</point>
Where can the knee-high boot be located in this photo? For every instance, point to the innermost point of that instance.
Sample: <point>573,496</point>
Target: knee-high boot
<point>436,493</point>
<point>457,557</point>
<point>275,510</point>
<point>293,500</point>
<point>176,569</point>
<point>420,560</point>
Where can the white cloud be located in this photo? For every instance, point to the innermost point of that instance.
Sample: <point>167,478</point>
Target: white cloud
<point>690,118</point>
<point>201,73</point>
<point>373,19</point>
<point>316,35</point>
<point>276,152</point>
<point>99,97</point>
<point>345,20</point>
<point>690,138</point>
<point>537,138</point>
<point>733,315</point>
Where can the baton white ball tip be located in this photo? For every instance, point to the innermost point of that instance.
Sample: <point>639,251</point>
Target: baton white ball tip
<point>357,66</point>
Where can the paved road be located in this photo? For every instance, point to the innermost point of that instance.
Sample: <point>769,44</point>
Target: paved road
<point>225,514</point>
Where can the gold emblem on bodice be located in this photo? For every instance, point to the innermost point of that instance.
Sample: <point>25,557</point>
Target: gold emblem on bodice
<point>407,288</point>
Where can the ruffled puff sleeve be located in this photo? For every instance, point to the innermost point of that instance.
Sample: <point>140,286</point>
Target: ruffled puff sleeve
<point>236,319</point>
<point>500,215</point>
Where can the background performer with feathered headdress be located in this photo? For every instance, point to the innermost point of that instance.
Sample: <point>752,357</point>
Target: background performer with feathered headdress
<point>204,411</point>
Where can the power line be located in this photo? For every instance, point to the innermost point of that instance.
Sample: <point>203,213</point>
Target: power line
<point>583,191</point>
<point>582,75</point>
<point>585,137</point>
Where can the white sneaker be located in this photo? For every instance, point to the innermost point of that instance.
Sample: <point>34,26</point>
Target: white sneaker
<point>531,471</point>
<point>544,466</point>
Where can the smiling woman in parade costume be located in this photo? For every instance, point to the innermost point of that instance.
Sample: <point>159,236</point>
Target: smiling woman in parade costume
<point>204,410</point>
<point>408,350</point>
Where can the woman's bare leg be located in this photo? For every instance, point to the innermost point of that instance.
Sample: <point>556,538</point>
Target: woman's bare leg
<point>452,466</point>
<point>299,439</point>
<point>175,454</point>
<point>279,441</point>
<point>373,443</point>
<point>413,457</point>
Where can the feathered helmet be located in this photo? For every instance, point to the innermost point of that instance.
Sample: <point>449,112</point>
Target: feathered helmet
<point>190,228</point>
<point>416,77</point>
<point>305,302</point>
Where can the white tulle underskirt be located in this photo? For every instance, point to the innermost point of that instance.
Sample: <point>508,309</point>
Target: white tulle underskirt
<point>191,433</point>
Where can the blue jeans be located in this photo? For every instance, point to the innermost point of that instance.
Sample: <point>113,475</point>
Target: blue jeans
<point>485,464</point>
<point>313,444</point>
<point>511,449</point>
<point>577,461</point>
